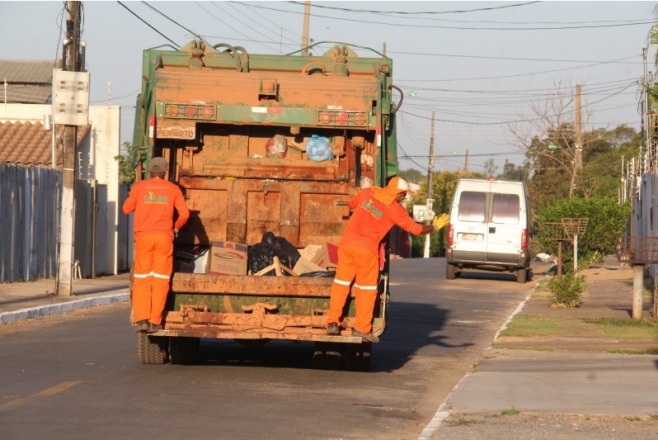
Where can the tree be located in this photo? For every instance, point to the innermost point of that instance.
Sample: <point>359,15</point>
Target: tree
<point>602,161</point>
<point>128,161</point>
<point>606,221</point>
<point>413,175</point>
<point>490,167</point>
<point>548,138</point>
<point>513,172</point>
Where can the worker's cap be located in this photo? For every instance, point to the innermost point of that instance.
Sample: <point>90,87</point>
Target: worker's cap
<point>158,165</point>
<point>403,185</point>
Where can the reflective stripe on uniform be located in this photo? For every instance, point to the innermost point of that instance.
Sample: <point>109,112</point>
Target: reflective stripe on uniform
<point>152,274</point>
<point>342,283</point>
<point>365,287</point>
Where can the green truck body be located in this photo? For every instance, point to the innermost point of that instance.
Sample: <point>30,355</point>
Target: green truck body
<point>215,113</point>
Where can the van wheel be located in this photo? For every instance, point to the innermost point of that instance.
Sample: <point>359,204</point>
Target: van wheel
<point>522,275</point>
<point>451,271</point>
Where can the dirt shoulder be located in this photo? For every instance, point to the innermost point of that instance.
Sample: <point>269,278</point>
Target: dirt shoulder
<point>609,295</point>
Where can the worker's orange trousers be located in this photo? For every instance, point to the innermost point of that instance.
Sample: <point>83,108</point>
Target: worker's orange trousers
<point>151,275</point>
<point>361,266</point>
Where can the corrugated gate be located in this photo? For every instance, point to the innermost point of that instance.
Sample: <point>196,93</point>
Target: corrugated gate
<point>29,221</point>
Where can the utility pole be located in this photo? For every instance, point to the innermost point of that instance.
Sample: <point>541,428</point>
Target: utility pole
<point>578,141</point>
<point>430,199</point>
<point>307,17</point>
<point>579,130</point>
<point>69,109</point>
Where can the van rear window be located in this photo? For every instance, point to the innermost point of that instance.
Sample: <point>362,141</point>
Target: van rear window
<point>505,209</point>
<point>472,206</point>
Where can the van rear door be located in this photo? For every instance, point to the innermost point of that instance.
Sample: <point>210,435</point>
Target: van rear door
<point>504,226</point>
<point>471,228</point>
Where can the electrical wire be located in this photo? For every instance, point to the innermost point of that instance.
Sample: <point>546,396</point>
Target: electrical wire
<point>148,24</point>
<point>173,21</point>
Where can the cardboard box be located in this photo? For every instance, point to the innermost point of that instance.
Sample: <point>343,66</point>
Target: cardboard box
<point>305,266</point>
<point>228,258</point>
<point>309,251</point>
<point>326,256</point>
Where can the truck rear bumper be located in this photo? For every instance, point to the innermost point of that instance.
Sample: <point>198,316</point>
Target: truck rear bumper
<point>259,335</point>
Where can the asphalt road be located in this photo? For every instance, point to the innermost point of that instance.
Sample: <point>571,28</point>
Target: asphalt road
<point>77,375</point>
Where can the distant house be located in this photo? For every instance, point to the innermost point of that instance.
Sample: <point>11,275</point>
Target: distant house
<point>28,139</point>
<point>26,82</point>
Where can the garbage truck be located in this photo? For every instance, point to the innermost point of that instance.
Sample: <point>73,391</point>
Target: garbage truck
<point>267,149</point>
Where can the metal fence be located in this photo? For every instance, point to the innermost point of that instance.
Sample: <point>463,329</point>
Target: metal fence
<point>29,221</point>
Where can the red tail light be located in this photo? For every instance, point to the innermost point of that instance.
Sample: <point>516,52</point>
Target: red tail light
<point>151,126</point>
<point>524,239</point>
<point>449,231</point>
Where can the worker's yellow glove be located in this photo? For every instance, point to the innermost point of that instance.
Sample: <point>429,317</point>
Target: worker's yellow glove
<point>439,222</point>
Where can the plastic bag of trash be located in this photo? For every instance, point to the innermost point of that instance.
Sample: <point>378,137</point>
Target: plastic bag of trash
<point>318,148</point>
<point>287,253</point>
<point>277,147</point>
<point>259,257</point>
<point>262,254</point>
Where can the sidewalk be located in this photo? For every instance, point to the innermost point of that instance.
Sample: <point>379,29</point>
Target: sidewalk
<point>577,386</point>
<point>27,300</point>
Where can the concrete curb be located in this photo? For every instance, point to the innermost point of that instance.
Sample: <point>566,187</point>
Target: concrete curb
<point>63,307</point>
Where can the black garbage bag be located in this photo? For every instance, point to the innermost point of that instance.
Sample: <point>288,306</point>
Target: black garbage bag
<point>261,255</point>
<point>287,253</point>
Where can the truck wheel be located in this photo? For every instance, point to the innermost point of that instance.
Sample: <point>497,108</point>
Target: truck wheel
<point>328,356</point>
<point>152,349</point>
<point>184,351</point>
<point>451,272</point>
<point>357,357</point>
<point>522,275</point>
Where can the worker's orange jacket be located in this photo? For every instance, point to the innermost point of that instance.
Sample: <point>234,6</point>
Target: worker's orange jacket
<point>153,201</point>
<point>372,220</point>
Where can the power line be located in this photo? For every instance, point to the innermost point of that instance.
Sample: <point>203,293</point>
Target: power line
<point>173,21</point>
<point>458,11</point>
<point>147,24</point>
<point>471,28</point>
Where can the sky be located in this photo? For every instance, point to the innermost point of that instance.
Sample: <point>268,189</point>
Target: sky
<point>476,70</point>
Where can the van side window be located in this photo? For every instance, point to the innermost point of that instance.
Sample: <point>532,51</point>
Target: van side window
<point>472,206</point>
<point>506,209</point>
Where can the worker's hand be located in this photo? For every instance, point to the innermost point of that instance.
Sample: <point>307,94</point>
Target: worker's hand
<point>175,233</point>
<point>439,222</point>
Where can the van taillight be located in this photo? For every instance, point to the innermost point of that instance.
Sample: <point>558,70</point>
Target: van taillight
<point>524,239</point>
<point>449,231</point>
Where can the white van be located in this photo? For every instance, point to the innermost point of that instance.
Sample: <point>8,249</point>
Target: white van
<point>489,228</point>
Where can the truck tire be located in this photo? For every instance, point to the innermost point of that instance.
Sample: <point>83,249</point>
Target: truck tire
<point>522,275</point>
<point>451,271</point>
<point>184,351</point>
<point>357,357</point>
<point>336,356</point>
<point>328,356</point>
<point>152,349</point>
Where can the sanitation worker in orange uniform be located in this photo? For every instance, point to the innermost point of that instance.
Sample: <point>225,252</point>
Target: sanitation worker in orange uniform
<point>376,210</point>
<point>154,201</point>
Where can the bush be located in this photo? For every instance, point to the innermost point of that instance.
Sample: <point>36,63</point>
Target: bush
<point>606,221</point>
<point>567,290</point>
